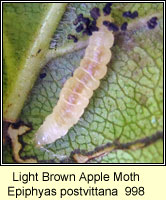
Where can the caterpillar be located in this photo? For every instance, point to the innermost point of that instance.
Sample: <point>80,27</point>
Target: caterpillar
<point>77,91</point>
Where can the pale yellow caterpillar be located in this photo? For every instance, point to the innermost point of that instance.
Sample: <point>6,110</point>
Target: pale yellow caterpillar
<point>77,90</point>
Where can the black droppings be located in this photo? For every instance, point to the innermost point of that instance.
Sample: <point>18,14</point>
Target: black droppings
<point>87,31</point>
<point>130,14</point>
<point>152,23</point>
<point>80,17</point>
<point>106,23</point>
<point>72,37</point>
<point>79,28</point>
<point>107,9</point>
<point>95,13</point>
<point>93,28</point>
<point>86,21</point>
<point>39,51</point>
<point>134,15</point>
<point>87,26</point>
<point>113,27</point>
<point>75,40</point>
<point>127,14</point>
<point>153,19</point>
<point>93,22</point>
<point>124,26</point>
<point>43,75</point>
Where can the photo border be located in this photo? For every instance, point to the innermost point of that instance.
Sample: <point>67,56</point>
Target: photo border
<point>86,164</point>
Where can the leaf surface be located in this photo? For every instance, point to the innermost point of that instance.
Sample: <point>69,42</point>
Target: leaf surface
<point>126,107</point>
<point>27,30</point>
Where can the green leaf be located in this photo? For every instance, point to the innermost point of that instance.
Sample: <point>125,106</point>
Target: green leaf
<point>127,106</point>
<point>27,30</point>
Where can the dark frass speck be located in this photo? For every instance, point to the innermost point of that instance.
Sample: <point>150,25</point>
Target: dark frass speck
<point>43,75</point>
<point>134,15</point>
<point>152,23</point>
<point>106,23</point>
<point>124,26</point>
<point>126,14</point>
<point>87,32</point>
<point>79,28</point>
<point>129,14</point>
<point>86,21</point>
<point>95,13</point>
<point>113,27</point>
<point>107,10</point>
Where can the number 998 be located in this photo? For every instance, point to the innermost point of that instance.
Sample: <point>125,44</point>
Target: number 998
<point>134,191</point>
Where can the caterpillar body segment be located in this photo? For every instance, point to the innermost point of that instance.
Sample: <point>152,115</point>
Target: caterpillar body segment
<point>77,90</point>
